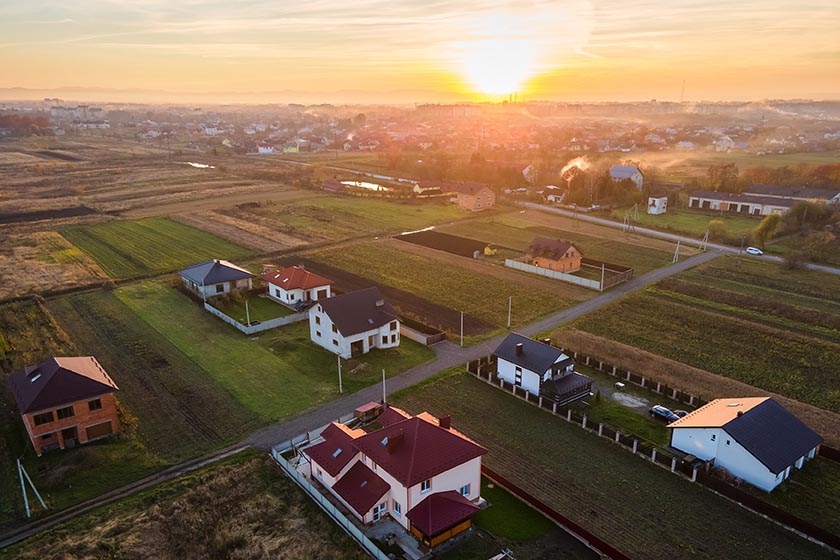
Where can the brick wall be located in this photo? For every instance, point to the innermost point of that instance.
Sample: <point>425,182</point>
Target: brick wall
<point>52,434</point>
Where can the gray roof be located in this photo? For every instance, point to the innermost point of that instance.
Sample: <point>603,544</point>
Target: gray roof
<point>536,356</point>
<point>359,311</point>
<point>623,171</point>
<point>214,272</point>
<point>792,192</point>
<point>773,435</point>
<point>744,199</point>
<point>566,384</point>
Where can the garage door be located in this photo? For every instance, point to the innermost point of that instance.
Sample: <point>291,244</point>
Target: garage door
<point>98,430</point>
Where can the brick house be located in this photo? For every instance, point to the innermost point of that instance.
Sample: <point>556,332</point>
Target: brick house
<point>65,402</point>
<point>474,196</point>
<point>557,255</point>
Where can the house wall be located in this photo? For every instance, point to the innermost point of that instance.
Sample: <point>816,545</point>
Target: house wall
<point>322,334</point>
<point>453,479</point>
<point>483,200</point>
<point>530,379</point>
<point>50,433</point>
<point>298,294</point>
<point>565,264</point>
<point>324,477</point>
<point>211,290</point>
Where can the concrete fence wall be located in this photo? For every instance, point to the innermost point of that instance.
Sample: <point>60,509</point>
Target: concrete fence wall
<point>571,278</point>
<point>422,338</point>
<point>259,327</point>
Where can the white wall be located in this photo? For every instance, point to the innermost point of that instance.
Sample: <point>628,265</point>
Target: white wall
<point>296,295</point>
<point>453,479</point>
<point>323,335</point>
<point>530,379</point>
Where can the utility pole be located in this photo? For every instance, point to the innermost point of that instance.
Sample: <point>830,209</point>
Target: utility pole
<point>677,253</point>
<point>384,395</point>
<point>462,329</point>
<point>510,305</point>
<point>247,314</point>
<point>340,389</point>
<point>23,489</point>
<point>603,270</point>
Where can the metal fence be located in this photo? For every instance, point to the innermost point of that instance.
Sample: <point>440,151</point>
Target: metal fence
<point>368,545</point>
<point>258,327</point>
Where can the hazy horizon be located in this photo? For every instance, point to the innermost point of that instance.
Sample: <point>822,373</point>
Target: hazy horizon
<point>572,50</point>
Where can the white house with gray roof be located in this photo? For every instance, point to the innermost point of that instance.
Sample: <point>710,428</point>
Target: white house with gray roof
<point>215,278</point>
<point>755,439</point>
<point>621,172</point>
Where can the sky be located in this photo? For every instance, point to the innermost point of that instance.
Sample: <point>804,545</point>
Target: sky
<point>426,50</point>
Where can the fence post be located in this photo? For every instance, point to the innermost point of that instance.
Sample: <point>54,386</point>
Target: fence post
<point>691,400</point>
<point>658,386</point>
<point>643,381</point>
<point>600,365</point>
<point>694,475</point>
<point>527,395</point>
<point>600,428</point>
<point>569,415</point>
<point>674,394</point>
<point>673,464</point>
<point>613,370</point>
<point>540,401</point>
<point>635,445</point>
<point>628,375</point>
<point>653,455</point>
<point>583,422</point>
<point>617,436</point>
<point>587,360</point>
<point>554,408</point>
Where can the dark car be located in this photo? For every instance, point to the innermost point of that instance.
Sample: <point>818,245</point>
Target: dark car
<point>659,411</point>
<point>681,413</point>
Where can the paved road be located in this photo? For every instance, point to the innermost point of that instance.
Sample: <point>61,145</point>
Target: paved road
<point>690,241</point>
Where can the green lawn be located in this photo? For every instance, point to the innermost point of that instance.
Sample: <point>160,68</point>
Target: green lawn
<point>643,510</point>
<point>130,248</point>
<point>279,374</point>
<point>787,323</point>
<point>517,234</point>
<point>693,223</point>
<point>259,309</point>
<point>508,516</point>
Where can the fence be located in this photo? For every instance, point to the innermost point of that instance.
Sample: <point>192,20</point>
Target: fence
<point>618,274</point>
<point>368,545</point>
<point>257,327</point>
<point>426,339</point>
<point>571,278</point>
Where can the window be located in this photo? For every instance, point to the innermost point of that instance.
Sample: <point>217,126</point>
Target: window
<point>728,441</point>
<point>393,339</point>
<point>397,508</point>
<point>334,329</point>
<point>220,288</point>
<point>425,486</point>
<point>394,326</point>
<point>317,320</point>
<point>384,340</point>
<point>335,342</point>
<point>320,474</point>
<point>318,334</point>
<point>95,404</point>
<point>713,437</point>
<point>518,379</point>
<point>65,412</point>
<point>44,418</point>
<point>465,490</point>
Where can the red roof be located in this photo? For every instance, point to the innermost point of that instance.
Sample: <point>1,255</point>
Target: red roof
<point>58,381</point>
<point>392,415</point>
<point>441,511</point>
<point>336,450</point>
<point>361,488</point>
<point>295,277</point>
<point>416,449</point>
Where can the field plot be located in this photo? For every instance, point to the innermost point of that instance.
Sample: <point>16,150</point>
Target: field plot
<point>518,232</point>
<point>687,222</point>
<point>454,244</point>
<point>279,374</point>
<point>641,509</point>
<point>241,508</point>
<point>787,322</point>
<point>127,249</point>
<point>43,261</point>
<point>454,282</point>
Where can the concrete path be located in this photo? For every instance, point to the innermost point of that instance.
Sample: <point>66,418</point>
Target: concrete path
<point>690,241</point>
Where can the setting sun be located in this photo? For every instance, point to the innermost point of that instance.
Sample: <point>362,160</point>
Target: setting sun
<point>496,67</point>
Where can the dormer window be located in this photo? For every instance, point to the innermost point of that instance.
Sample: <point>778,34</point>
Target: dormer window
<point>35,377</point>
<point>384,441</point>
<point>336,453</point>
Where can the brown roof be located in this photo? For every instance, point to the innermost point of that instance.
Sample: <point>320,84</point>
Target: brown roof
<point>336,450</point>
<point>358,311</point>
<point>361,488</point>
<point>416,449</point>
<point>550,248</point>
<point>441,511</point>
<point>59,381</point>
<point>295,277</point>
<point>717,413</point>
<point>469,188</point>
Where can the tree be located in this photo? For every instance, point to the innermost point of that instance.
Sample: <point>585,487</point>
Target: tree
<point>717,230</point>
<point>766,229</point>
<point>819,245</point>
<point>723,177</point>
<point>360,119</point>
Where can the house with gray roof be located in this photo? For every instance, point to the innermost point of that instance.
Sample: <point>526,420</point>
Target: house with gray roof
<point>756,439</point>
<point>620,173</point>
<point>354,323</point>
<point>215,278</point>
<point>541,369</point>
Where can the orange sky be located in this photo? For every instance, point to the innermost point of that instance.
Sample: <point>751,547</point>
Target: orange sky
<point>421,51</point>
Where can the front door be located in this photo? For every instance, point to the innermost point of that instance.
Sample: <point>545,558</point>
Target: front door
<point>70,437</point>
<point>378,511</point>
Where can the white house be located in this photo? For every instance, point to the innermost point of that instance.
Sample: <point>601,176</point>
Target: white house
<point>295,284</point>
<point>540,369</point>
<point>755,439</point>
<point>216,277</point>
<point>354,323</point>
<point>622,172</point>
<point>266,148</point>
<point>657,205</point>
<point>751,205</point>
<point>418,470</point>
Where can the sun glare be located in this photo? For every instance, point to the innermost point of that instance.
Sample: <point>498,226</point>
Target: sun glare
<point>499,66</point>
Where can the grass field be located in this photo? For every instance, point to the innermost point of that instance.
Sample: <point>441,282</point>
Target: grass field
<point>516,233</point>
<point>687,222</point>
<point>787,323</point>
<point>241,508</point>
<point>259,309</point>
<point>275,376</point>
<point>641,509</point>
<point>127,249</point>
<point>450,284</point>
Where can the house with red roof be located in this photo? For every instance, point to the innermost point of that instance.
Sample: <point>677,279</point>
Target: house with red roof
<point>65,402</point>
<point>417,470</point>
<point>295,284</point>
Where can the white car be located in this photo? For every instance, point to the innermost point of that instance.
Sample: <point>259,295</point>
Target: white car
<point>754,251</point>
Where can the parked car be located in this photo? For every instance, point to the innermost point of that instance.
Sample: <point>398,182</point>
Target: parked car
<point>681,413</point>
<point>659,411</point>
<point>754,251</point>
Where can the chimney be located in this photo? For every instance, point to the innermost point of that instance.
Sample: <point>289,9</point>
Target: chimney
<point>302,266</point>
<point>547,341</point>
<point>394,441</point>
<point>445,422</point>
<point>740,413</point>
<point>519,348</point>
<point>380,302</point>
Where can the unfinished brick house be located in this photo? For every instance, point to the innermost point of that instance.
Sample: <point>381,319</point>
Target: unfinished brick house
<point>65,402</point>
